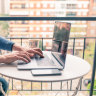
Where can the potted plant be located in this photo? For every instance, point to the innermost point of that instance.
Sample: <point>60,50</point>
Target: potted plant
<point>88,87</point>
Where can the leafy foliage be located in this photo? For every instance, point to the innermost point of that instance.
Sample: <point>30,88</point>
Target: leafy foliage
<point>89,52</point>
<point>4,26</point>
<point>40,45</point>
<point>94,92</point>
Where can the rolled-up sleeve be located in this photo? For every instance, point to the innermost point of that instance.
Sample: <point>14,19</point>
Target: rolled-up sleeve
<point>6,44</point>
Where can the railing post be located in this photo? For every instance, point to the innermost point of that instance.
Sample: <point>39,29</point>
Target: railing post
<point>10,39</point>
<point>21,41</point>
<point>84,47</point>
<point>93,73</point>
<point>73,45</point>
<point>42,44</point>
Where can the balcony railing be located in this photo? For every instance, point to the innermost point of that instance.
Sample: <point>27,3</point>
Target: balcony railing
<point>74,39</point>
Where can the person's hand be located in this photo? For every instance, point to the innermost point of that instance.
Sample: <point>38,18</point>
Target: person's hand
<point>34,51</point>
<point>31,51</point>
<point>11,57</point>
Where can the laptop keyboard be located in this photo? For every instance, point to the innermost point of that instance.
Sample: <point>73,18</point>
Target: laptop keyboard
<point>44,61</point>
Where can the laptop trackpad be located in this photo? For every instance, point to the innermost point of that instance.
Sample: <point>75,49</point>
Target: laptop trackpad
<point>46,61</point>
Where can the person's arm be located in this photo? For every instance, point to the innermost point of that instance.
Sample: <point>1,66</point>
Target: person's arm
<point>6,44</point>
<point>11,46</point>
<point>11,57</point>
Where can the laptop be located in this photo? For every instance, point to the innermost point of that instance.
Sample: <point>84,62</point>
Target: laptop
<point>57,57</point>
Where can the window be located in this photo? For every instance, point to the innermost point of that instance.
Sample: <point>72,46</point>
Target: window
<point>31,28</point>
<point>27,5</point>
<point>37,35</point>
<point>94,8</point>
<point>93,24</point>
<point>37,28</point>
<point>44,21</point>
<point>19,13</point>
<point>45,5</point>
<point>23,6</point>
<point>79,13</point>
<point>63,6</point>
<point>24,22</point>
<point>37,21</point>
<point>38,5</point>
<point>71,14</point>
<point>45,13</point>
<point>83,22</point>
<point>51,5</point>
<point>38,13</point>
<point>32,13</point>
<point>31,5</point>
<point>31,21</point>
<point>44,29</point>
<point>71,6</point>
<point>50,29</point>
<point>47,43</point>
<point>50,36</point>
<point>80,6</point>
<point>44,35</point>
<point>85,5</point>
<point>84,13</point>
<point>19,29</point>
<point>92,32</point>
<point>15,6</point>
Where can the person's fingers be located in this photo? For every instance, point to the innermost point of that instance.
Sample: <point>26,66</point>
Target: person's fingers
<point>37,49</point>
<point>25,56</point>
<point>23,59</point>
<point>36,52</point>
<point>25,52</point>
<point>31,54</point>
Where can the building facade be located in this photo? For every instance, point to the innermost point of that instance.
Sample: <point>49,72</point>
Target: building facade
<point>47,8</point>
<point>4,6</point>
<point>91,31</point>
<point>33,29</point>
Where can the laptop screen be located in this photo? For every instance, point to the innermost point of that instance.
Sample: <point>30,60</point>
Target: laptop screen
<point>60,41</point>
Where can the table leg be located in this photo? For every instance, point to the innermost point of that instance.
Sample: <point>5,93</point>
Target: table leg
<point>77,88</point>
<point>76,91</point>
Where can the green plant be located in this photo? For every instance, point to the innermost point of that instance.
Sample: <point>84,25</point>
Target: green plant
<point>4,26</point>
<point>89,52</point>
<point>88,87</point>
<point>40,45</point>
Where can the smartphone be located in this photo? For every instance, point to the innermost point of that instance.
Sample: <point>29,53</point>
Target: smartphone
<point>45,72</point>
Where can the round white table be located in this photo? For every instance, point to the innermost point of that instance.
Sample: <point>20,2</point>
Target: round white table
<point>75,67</point>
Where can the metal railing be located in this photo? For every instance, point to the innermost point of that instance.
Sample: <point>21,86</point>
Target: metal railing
<point>74,39</point>
<point>52,19</point>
